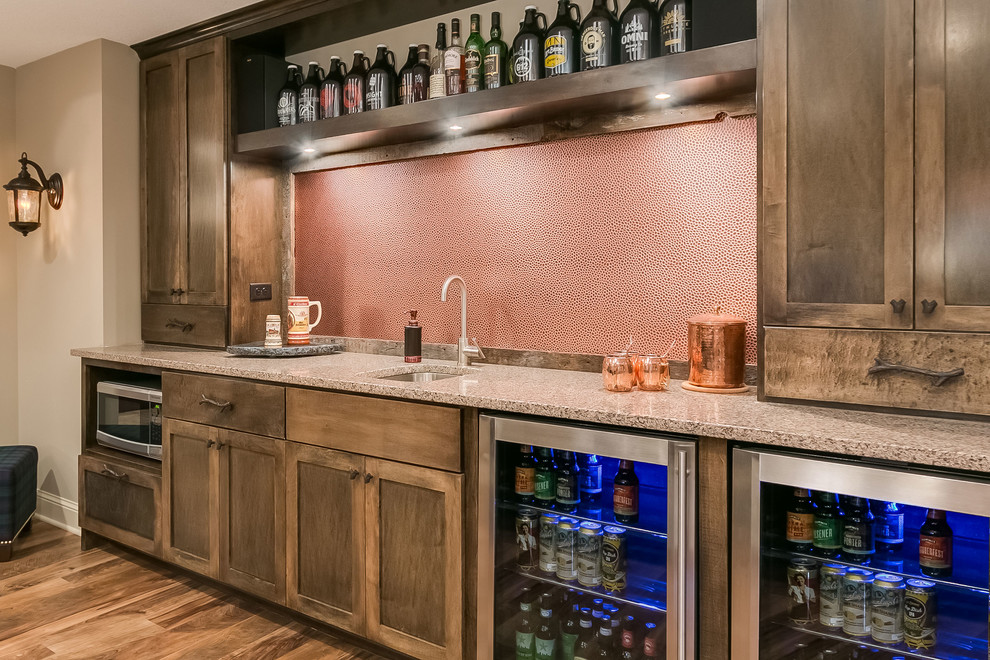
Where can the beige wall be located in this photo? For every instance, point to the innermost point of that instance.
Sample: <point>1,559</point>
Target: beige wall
<point>8,268</point>
<point>77,276</point>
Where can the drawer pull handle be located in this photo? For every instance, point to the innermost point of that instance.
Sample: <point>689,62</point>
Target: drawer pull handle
<point>354,474</point>
<point>177,292</point>
<point>939,377</point>
<point>222,405</point>
<point>368,477</point>
<point>898,305</point>
<point>181,325</point>
<point>120,476</point>
<point>928,306</point>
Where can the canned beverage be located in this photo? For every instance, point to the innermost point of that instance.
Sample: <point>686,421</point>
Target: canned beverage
<point>830,595</point>
<point>802,590</point>
<point>888,608</point>
<point>526,544</point>
<point>857,591</point>
<point>548,542</point>
<point>920,612</point>
<point>589,554</point>
<point>567,540</point>
<point>614,559</point>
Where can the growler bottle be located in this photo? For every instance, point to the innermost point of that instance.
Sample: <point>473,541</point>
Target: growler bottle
<point>406,76</point>
<point>332,90</point>
<point>639,27</point>
<point>526,60</point>
<point>288,98</point>
<point>496,53</point>
<point>453,61</point>
<point>379,89</point>
<point>438,83</point>
<point>599,37</point>
<point>561,50</point>
<point>473,56</point>
<point>675,26</point>
<point>353,97</point>
<point>309,94</point>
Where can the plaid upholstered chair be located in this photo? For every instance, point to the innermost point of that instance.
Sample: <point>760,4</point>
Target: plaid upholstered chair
<point>18,493</point>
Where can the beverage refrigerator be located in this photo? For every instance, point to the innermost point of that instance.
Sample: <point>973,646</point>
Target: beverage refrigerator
<point>838,559</point>
<point>621,546</point>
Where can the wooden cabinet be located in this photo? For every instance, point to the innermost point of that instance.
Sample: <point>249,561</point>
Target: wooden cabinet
<point>121,500</point>
<point>184,191</point>
<point>229,403</point>
<point>190,465</point>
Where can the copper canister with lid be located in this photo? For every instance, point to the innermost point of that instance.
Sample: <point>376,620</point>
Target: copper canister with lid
<point>717,351</point>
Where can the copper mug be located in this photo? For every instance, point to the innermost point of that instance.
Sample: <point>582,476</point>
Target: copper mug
<point>652,373</point>
<point>618,372</point>
<point>717,350</point>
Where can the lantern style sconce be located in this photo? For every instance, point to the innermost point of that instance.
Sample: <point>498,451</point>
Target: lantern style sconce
<point>24,196</point>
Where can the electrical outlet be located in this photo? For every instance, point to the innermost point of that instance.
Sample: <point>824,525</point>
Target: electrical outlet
<point>261,292</point>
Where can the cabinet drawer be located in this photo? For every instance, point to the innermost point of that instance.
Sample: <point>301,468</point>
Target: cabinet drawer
<point>833,365</point>
<point>121,502</point>
<point>418,433</point>
<point>225,402</point>
<point>188,325</point>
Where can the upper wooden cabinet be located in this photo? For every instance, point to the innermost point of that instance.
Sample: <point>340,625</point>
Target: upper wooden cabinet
<point>184,190</point>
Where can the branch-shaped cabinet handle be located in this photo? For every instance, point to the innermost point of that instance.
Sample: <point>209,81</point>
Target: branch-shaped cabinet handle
<point>354,474</point>
<point>181,325</point>
<point>120,476</point>
<point>938,377</point>
<point>222,405</point>
<point>898,305</point>
<point>928,306</point>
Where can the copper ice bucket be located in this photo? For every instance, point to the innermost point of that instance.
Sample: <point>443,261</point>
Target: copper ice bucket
<point>717,350</point>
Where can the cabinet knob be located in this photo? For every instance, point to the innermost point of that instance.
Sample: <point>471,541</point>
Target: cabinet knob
<point>220,445</point>
<point>368,477</point>
<point>898,305</point>
<point>928,306</point>
<point>354,474</point>
<point>210,443</point>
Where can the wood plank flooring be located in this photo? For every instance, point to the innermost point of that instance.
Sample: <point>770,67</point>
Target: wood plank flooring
<point>57,601</point>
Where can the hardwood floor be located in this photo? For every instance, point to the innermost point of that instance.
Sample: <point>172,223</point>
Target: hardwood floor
<point>57,601</point>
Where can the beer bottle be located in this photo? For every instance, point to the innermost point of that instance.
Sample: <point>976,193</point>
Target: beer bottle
<point>288,99</point>
<point>625,494</point>
<point>889,526</point>
<point>474,48</point>
<point>495,55</point>
<point>332,90</point>
<point>568,493</point>
<point>453,61</point>
<point>438,82</point>
<point>935,545</point>
<point>586,636</point>
<point>828,526</point>
<point>309,94</point>
<point>857,531</point>
<point>597,611</point>
<point>599,36</point>
<point>353,98</point>
<point>526,475</point>
<point>546,479</point>
<point>570,627</point>
<point>561,50</point>
<point>407,77</point>
<point>546,634</point>
<point>627,641</point>
<point>526,58</point>
<point>675,26</point>
<point>652,644</point>
<point>639,27</point>
<point>526,630</point>
<point>380,84</point>
<point>603,644</point>
<point>801,521</point>
<point>591,478</point>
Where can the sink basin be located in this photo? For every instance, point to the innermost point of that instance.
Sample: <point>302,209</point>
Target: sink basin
<point>419,376</point>
<point>424,373</point>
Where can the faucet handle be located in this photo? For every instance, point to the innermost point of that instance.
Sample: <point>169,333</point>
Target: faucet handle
<point>477,347</point>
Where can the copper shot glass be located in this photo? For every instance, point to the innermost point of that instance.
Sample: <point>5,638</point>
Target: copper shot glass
<point>653,373</point>
<point>618,373</point>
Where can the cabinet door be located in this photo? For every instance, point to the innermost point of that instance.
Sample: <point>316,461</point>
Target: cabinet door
<point>252,514</point>
<point>121,503</point>
<point>190,466</point>
<point>837,164</point>
<point>203,123</point>
<point>162,207</point>
<point>952,185</point>
<point>414,555</point>
<point>325,544</point>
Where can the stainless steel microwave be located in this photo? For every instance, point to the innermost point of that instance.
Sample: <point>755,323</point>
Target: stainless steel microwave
<point>129,418</point>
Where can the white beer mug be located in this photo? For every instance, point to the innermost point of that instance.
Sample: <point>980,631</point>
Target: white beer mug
<point>299,325</point>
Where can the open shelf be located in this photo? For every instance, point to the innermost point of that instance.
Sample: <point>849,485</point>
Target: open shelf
<point>704,76</point>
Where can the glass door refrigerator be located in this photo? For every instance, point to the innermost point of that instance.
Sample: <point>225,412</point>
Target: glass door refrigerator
<point>842,560</point>
<point>587,545</point>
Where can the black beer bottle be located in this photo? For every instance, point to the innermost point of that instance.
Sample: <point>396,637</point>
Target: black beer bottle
<point>675,27</point>
<point>625,494</point>
<point>309,94</point>
<point>858,545</point>
<point>568,489</point>
<point>288,98</point>
<point>561,50</point>
<point>332,90</point>
<point>639,27</point>
<point>407,75</point>
<point>353,98</point>
<point>599,37</point>
<point>526,60</point>
<point>935,545</point>
<point>496,53</point>
<point>379,88</point>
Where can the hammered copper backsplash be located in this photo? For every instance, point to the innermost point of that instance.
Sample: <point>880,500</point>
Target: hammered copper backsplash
<point>568,246</point>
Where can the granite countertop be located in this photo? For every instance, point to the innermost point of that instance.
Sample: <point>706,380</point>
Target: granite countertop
<point>963,445</point>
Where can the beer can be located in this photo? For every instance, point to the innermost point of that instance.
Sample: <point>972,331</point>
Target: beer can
<point>830,599</point>
<point>802,587</point>
<point>548,542</point>
<point>567,541</point>
<point>614,559</point>
<point>589,554</point>
<point>857,591</point>
<point>526,544</point>
<point>920,611</point>
<point>888,608</point>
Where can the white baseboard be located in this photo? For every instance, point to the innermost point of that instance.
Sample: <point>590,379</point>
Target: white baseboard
<point>58,511</point>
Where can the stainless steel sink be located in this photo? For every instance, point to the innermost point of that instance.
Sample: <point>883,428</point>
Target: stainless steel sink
<point>419,376</point>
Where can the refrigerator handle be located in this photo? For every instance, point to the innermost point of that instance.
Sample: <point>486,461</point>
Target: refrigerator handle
<point>680,524</point>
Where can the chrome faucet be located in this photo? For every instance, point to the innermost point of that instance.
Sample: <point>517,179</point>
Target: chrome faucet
<point>466,351</point>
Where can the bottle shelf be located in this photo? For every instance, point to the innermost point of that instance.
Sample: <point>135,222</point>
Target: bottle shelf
<point>583,515</point>
<point>949,644</point>
<point>705,76</point>
<point>654,604</point>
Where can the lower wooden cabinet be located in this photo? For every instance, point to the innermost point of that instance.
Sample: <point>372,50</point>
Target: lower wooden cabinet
<point>190,464</point>
<point>121,501</point>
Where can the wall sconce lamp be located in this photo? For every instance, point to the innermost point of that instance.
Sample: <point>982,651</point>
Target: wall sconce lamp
<point>24,196</point>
